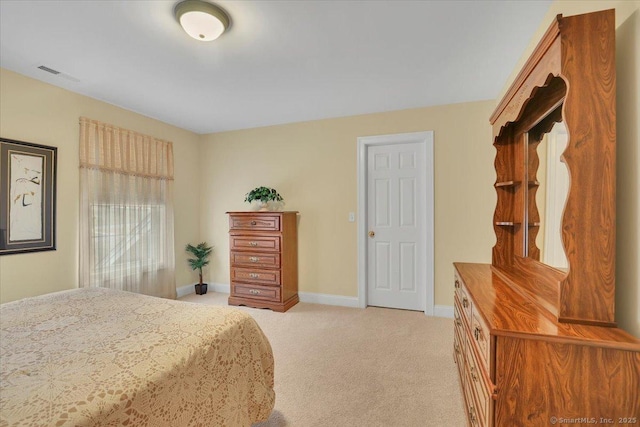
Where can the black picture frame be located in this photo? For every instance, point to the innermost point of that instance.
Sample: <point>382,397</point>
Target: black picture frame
<point>27,197</point>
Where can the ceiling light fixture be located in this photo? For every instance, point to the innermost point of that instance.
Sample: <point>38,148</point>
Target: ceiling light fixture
<point>201,20</point>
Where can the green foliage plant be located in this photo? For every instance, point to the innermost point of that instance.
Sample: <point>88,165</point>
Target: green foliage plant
<point>200,254</point>
<point>263,194</point>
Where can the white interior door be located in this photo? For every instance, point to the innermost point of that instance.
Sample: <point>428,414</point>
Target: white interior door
<point>396,217</point>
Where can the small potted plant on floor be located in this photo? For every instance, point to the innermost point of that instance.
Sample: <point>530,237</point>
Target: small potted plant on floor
<point>264,195</point>
<point>200,259</point>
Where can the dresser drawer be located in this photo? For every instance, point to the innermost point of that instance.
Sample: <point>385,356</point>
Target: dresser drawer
<point>254,243</point>
<point>458,323</point>
<point>252,275</point>
<point>458,358</point>
<point>257,259</point>
<point>458,352</point>
<point>266,293</point>
<point>258,222</point>
<point>482,339</point>
<point>470,404</point>
<point>478,405</point>
<point>457,284</point>
<point>476,381</point>
<point>465,302</point>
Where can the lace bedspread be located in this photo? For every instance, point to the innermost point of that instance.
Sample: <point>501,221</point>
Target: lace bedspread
<point>99,357</point>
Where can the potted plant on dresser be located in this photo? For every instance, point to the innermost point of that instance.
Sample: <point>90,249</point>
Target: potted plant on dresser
<point>200,259</point>
<point>264,195</point>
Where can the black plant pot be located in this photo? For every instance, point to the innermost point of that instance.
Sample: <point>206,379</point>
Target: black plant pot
<point>201,289</point>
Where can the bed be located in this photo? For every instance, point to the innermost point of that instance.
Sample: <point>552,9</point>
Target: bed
<point>100,357</point>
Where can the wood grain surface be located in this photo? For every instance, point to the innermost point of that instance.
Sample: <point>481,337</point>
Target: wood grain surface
<point>508,310</point>
<point>570,382</point>
<point>588,226</point>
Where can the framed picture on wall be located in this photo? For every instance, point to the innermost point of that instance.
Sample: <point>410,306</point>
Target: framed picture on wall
<point>27,197</point>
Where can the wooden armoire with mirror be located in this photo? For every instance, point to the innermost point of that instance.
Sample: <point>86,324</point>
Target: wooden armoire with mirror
<point>535,342</point>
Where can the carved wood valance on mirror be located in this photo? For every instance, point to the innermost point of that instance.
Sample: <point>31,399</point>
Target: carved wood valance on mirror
<point>565,94</point>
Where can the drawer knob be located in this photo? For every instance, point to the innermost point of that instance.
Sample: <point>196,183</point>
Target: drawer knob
<point>254,259</point>
<point>254,291</point>
<point>253,243</point>
<point>457,284</point>
<point>458,322</point>
<point>465,302</point>
<point>476,333</point>
<point>456,347</point>
<point>254,275</point>
<point>472,415</point>
<point>474,377</point>
<point>253,223</point>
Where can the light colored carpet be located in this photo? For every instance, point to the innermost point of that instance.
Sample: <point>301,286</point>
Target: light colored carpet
<point>338,366</point>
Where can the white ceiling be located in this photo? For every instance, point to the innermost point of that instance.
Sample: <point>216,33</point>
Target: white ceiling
<point>280,62</point>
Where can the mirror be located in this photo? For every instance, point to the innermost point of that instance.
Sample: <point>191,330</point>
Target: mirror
<point>548,186</point>
<point>551,195</point>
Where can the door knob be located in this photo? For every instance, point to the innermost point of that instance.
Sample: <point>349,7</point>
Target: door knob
<point>372,233</point>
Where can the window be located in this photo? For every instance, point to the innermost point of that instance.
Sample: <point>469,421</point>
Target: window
<point>126,211</point>
<point>127,237</point>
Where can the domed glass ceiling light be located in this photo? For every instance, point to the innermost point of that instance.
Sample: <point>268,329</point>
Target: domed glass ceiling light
<point>201,20</point>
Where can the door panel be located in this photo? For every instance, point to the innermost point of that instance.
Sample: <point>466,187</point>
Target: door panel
<point>408,266</point>
<point>382,203</point>
<point>407,202</point>
<point>396,216</point>
<point>383,266</point>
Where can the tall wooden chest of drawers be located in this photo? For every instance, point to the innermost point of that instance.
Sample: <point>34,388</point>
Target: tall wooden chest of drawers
<point>264,259</point>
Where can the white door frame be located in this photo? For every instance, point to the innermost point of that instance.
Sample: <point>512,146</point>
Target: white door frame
<point>364,142</point>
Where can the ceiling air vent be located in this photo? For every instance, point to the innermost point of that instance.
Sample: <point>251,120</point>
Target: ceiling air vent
<point>48,70</point>
<point>58,73</point>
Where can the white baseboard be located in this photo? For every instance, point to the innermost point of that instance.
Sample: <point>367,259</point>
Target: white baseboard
<point>443,311</point>
<point>225,288</point>
<point>312,297</point>
<point>309,297</point>
<point>326,299</point>
<point>185,290</point>
<point>190,289</point>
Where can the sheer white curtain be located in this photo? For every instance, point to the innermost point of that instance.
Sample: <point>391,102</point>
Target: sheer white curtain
<point>126,210</point>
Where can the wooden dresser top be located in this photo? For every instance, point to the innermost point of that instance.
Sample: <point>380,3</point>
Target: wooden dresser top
<point>508,311</point>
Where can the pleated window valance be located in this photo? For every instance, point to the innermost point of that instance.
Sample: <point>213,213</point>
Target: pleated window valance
<point>110,148</point>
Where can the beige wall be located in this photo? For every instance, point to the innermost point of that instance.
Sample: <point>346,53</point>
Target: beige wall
<point>628,142</point>
<point>313,166</point>
<point>44,114</point>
